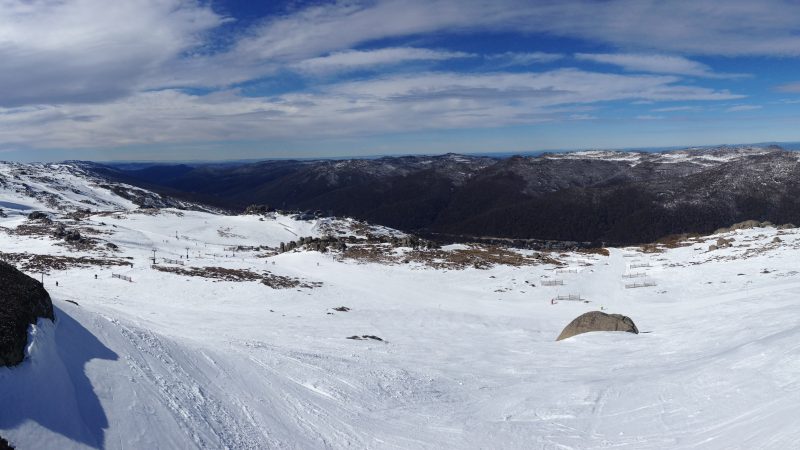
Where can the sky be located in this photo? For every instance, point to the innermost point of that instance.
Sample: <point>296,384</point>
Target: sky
<point>259,79</point>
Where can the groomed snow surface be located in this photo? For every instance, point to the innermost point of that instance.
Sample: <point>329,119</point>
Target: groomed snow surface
<point>469,358</point>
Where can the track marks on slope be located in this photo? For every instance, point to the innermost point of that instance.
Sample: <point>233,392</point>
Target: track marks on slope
<point>172,374</point>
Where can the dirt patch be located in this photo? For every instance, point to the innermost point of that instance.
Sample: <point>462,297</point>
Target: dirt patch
<point>240,275</point>
<point>594,251</point>
<point>673,241</point>
<point>73,238</point>
<point>36,263</point>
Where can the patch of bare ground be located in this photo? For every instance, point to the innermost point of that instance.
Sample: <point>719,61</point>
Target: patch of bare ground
<point>32,229</point>
<point>476,256</point>
<point>673,241</point>
<point>594,251</point>
<point>32,262</point>
<point>73,237</point>
<point>240,275</point>
<point>82,245</point>
<point>95,232</point>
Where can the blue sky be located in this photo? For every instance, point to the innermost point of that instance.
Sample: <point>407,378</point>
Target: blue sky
<point>238,79</point>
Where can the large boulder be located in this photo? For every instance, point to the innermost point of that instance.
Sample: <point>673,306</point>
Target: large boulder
<point>598,321</point>
<point>22,301</point>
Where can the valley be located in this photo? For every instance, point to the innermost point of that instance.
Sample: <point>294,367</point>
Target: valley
<point>591,197</point>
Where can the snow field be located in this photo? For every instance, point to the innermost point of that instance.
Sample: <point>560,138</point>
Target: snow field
<point>468,359</point>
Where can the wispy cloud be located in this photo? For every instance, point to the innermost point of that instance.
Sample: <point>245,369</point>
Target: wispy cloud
<point>677,108</point>
<point>738,108</point>
<point>697,27</point>
<point>382,105</point>
<point>789,87</point>
<point>668,64</point>
<point>371,59</point>
<point>648,117</point>
<point>509,59</point>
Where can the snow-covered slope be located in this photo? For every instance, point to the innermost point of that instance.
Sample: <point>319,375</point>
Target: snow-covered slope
<point>468,357</point>
<point>68,187</point>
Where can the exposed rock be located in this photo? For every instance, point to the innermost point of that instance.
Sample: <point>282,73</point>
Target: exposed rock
<point>38,215</point>
<point>73,236</point>
<point>62,232</point>
<point>364,337</point>
<point>79,214</point>
<point>746,225</point>
<point>22,302</point>
<point>722,242</point>
<point>111,246</point>
<point>712,247</point>
<point>777,240</point>
<point>257,210</point>
<point>598,321</point>
<point>4,445</point>
<point>786,226</point>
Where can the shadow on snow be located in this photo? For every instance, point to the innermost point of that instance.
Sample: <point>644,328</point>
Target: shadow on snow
<point>51,387</point>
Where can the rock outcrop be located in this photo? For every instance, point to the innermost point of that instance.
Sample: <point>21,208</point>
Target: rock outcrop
<point>4,445</point>
<point>23,300</point>
<point>749,224</point>
<point>257,210</point>
<point>37,215</point>
<point>598,321</point>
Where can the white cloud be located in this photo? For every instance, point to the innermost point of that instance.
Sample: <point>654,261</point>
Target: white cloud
<point>88,50</point>
<point>365,59</point>
<point>649,117</point>
<point>91,50</point>
<point>677,65</point>
<point>738,108</point>
<point>93,73</point>
<point>790,87</point>
<point>676,108</point>
<point>399,103</point>
<point>704,27</point>
<point>710,27</point>
<point>508,59</point>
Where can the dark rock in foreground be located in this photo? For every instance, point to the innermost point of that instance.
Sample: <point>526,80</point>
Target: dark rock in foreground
<point>598,321</point>
<point>4,445</point>
<point>22,301</point>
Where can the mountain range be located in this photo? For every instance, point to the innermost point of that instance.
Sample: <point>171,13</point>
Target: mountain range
<point>596,196</point>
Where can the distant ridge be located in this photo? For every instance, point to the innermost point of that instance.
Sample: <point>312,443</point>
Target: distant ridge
<point>617,197</point>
